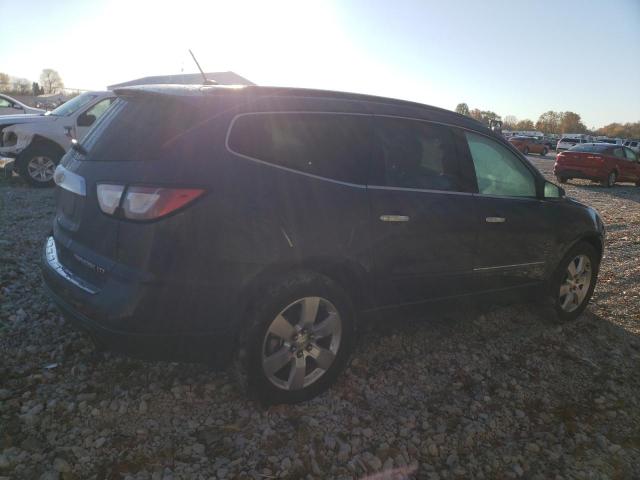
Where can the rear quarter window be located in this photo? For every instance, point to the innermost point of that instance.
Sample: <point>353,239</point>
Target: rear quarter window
<point>334,146</point>
<point>142,129</point>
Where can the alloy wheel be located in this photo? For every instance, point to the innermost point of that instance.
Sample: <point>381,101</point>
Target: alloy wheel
<point>576,283</point>
<point>41,169</point>
<point>301,343</point>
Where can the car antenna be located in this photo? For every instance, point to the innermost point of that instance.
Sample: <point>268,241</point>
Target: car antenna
<point>206,81</point>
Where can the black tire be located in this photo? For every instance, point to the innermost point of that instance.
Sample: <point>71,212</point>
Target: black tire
<point>544,152</point>
<point>526,150</point>
<point>32,154</point>
<point>610,180</point>
<point>560,275</point>
<point>276,300</point>
<point>562,179</point>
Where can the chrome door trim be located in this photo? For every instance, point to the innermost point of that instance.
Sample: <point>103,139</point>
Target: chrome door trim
<point>515,265</point>
<point>394,218</point>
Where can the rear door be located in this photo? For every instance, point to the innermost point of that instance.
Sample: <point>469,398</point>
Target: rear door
<point>422,212</point>
<point>514,234</point>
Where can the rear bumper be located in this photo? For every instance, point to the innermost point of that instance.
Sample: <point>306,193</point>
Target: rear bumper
<point>105,313</point>
<point>585,173</point>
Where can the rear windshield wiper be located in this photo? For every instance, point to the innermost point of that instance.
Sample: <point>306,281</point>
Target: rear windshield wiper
<point>75,144</point>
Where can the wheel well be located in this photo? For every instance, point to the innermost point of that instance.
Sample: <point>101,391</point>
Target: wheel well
<point>595,242</point>
<point>351,277</point>
<point>40,141</point>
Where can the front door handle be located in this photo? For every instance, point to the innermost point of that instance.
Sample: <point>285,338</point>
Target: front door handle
<point>495,219</point>
<point>394,218</point>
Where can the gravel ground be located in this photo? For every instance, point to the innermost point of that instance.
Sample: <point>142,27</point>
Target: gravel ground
<point>500,392</point>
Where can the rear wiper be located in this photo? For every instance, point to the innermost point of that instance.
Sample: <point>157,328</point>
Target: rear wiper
<point>75,144</point>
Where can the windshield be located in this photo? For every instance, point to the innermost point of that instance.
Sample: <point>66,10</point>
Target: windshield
<point>72,105</point>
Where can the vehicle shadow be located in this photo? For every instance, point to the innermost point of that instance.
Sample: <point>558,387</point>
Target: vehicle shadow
<point>626,191</point>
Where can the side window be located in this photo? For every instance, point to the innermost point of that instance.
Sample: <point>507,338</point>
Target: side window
<point>498,170</point>
<point>328,145</point>
<point>415,154</point>
<point>4,103</point>
<point>630,154</point>
<point>99,108</point>
<point>618,152</point>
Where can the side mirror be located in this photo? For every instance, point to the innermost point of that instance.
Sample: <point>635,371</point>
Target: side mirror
<point>551,190</point>
<point>86,120</point>
<point>17,107</point>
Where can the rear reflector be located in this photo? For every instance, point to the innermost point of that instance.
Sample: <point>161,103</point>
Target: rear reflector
<point>144,203</point>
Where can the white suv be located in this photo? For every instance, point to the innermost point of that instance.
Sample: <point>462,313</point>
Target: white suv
<point>566,143</point>
<point>633,145</point>
<point>38,142</point>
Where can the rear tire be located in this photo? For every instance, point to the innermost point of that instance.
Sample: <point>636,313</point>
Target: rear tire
<point>611,179</point>
<point>291,356</point>
<point>544,152</point>
<point>37,164</point>
<point>562,179</point>
<point>526,150</point>
<point>573,282</point>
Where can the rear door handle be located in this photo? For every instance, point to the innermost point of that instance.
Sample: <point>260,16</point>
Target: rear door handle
<point>495,219</point>
<point>394,218</point>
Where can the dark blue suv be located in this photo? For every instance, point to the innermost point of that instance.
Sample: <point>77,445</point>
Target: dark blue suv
<point>262,224</point>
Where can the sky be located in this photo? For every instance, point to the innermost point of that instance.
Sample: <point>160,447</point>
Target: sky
<point>513,57</point>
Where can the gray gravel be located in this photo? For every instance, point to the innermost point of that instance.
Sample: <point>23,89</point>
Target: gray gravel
<point>500,392</point>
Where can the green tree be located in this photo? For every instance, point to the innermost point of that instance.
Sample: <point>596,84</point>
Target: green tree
<point>463,109</point>
<point>4,82</point>
<point>51,81</point>
<point>510,122</point>
<point>572,123</point>
<point>21,86</point>
<point>525,124</point>
<point>549,122</point>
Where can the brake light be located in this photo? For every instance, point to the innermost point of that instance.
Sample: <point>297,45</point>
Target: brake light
<point>144,203</point>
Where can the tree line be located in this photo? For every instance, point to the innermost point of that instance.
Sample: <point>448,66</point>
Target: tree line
<point>50,83</point>
<point>552,122</point>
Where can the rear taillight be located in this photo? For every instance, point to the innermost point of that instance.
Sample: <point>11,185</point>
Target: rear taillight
<point>109,197</point>
<point>144,203</point>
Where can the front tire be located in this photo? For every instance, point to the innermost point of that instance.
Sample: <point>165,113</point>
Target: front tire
<point>574,281</point>
<point>562,179</point>
<point>526,150</point>
<point>611,180</point>
<point>299,338</point>
<point>544,152</point>
<point>37,164</point>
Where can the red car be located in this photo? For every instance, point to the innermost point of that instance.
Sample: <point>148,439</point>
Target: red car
<point>600,162</point>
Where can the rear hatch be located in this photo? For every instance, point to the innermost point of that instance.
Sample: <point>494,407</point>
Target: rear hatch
<point>586,156</point>
<point>135,142</point>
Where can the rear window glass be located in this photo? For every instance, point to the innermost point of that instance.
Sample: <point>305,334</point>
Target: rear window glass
<point>590,147</point>
<point>414,154</point>
<point>334,146</point>
<point>570,140</point>
<point>140,129</point>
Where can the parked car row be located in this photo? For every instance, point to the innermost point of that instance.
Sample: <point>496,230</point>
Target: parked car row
<point>265,224</point>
